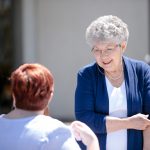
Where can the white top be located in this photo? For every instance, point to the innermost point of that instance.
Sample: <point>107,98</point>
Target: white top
<point>35,133</point>
<point>117,108</point>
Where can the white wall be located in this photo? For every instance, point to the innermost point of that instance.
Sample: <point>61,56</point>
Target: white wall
<point>58,39</point>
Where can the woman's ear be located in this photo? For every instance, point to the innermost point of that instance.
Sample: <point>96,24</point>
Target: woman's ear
<point>123,46</point>
<point>52,93</point>
<point>14,101</point>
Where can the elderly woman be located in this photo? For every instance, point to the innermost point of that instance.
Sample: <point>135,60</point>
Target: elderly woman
<point>26,128</point>
<point>113,94</point>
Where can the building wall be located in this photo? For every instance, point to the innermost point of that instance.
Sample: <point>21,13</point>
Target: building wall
<point>54,35</point>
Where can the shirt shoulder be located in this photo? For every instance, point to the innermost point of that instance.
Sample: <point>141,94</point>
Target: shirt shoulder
<point>89,71</point>
<point>60,136</point>
<point>139,66</point>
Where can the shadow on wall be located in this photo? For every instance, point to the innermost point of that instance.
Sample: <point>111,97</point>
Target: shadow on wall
<point>6,101</point>
<point>6,54</point>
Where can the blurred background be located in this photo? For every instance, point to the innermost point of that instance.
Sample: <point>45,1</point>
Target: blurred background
<point>52,32</point>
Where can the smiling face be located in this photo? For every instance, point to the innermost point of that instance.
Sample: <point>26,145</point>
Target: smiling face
<point>108,55</point>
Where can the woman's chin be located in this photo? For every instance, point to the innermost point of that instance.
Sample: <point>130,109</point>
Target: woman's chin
<point>107,67</point>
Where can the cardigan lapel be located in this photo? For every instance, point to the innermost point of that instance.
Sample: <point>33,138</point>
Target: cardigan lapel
<point>102,94</point>
<point>132,105</point>
<point>129,85</point>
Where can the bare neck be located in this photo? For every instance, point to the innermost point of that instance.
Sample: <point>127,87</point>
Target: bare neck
<point>20,113</point>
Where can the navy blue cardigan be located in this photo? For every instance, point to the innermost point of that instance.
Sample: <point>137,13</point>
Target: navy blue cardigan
<point>92,103</point>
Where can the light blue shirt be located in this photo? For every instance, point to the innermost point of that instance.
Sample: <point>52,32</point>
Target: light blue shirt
<point>35,133</point>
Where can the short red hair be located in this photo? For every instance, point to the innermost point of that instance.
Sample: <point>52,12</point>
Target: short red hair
<point>32,86</point>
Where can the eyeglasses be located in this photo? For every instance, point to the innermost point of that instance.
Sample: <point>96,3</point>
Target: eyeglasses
<point>107,51</point>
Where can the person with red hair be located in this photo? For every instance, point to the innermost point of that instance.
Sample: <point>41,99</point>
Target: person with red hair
<point>26,127</point>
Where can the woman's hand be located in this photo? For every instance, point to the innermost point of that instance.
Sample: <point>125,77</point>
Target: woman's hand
<point>82,132</point>
<point>139,122</point>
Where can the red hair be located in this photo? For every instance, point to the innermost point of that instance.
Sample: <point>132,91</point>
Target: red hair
<point>32,85</point>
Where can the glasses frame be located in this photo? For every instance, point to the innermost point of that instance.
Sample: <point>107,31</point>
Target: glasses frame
<point>106,51</point>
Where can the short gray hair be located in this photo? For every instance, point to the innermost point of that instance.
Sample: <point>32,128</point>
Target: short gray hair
<point>107,28</point>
